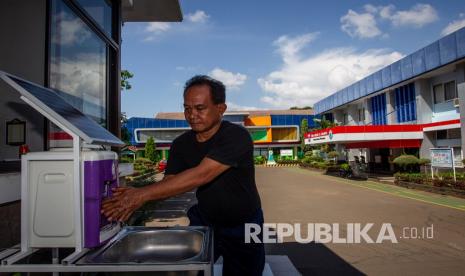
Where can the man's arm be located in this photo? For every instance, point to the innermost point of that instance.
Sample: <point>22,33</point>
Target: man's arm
<point>168,176</point>
<point>126,200</point>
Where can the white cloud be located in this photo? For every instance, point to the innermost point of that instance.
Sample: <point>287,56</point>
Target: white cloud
<point>71,31</point>
<point>365,24</point>
<point>289,47</point>
<point>83,77</point>
<point>454,25</point>
<point>303,81</point>
<point>197,17</point>
<point>362,25</point>
<point>154,29</point>
<point>236,107</point>
<point>158,27</point>
<point>231,80</point>
<point>371,9</point>
<point>418,16</point>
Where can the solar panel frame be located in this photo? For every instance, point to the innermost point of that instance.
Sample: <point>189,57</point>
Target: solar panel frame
<point>54,107</point>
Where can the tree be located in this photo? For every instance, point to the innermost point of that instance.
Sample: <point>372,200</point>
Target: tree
<point>300,108</point>
<point>150,152</point>
<point>303,130</point>
<point>125,135</point>
<point>323,123</point>
<point>125,76</point>
<point>125,85</point>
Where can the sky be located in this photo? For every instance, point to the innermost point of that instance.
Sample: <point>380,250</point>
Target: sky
<point>274,54</point>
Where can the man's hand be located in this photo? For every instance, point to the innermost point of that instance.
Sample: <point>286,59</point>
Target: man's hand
<point>126,200</point>
<point>122,204</point>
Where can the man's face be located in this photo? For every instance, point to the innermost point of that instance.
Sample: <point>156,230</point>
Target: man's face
<point>199,110</point>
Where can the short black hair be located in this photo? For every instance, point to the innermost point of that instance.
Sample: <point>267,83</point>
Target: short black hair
<point>217,88</point>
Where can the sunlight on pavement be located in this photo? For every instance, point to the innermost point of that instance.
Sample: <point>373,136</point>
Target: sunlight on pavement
<point>436,199</point>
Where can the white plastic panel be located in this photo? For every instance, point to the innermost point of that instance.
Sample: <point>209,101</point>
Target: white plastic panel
<point>51,214</point>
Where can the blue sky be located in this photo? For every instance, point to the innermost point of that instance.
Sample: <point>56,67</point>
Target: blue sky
<point>275,54</point>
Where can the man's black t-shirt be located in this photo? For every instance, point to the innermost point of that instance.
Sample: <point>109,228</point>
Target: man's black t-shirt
<point>232,197</point>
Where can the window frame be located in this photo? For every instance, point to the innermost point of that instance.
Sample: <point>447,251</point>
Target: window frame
<point>448,135</point>
<point>443,86</point>
<point>455,91</point>
<point>113,66</point>
<point>435,101</point>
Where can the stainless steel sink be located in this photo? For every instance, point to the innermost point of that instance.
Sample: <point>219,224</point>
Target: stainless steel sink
<point>148,245</point>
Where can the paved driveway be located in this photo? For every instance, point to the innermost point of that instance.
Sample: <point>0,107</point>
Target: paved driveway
<point>293,195</point>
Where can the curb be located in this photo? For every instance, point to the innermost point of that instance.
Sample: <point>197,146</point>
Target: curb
<point>277,165</point>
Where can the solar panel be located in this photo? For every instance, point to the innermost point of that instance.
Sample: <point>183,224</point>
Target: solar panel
<point>57,108</point>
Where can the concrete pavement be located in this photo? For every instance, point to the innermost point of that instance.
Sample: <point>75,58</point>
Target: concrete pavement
<point>292,195</point>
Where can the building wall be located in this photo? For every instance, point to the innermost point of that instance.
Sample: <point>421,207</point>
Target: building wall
<point>338,116</point>
<point>424,101</point>
<point>284,134</point>
<point>390,107</point>
<point>352,115</point>
<point>446,111</point>
<point>258,121</point>
<point>23,55</point>
<point>261,135</point>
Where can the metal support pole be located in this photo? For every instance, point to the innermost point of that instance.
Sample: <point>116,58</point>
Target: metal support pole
<point>55,259</point>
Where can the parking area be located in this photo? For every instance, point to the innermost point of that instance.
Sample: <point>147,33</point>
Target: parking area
<point>293,195</point>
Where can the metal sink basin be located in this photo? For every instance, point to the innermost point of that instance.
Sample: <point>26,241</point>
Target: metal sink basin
<point>148,245</point>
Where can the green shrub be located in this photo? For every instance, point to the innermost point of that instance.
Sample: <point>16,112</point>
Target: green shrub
<point>419,178</point>
<point>259,160</point>
<point>408,163</point>
<point>443,179</point>
<point>150,151</point>
<point>333,154</point>
<point>345,167</point>
<point>142,160</point>
<point>126,159</point>
<point>142,165</point>
<point>424,161</point>
<point>310,153</point>
<point>288,162</point>
<point>316,158</point>
<point>306,160</point>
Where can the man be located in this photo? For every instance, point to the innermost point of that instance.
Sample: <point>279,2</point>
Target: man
<point>217,158</point>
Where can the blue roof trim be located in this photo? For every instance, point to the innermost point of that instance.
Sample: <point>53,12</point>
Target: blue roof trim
<point>441,52</point>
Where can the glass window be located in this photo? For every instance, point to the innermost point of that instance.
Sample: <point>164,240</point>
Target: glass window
<point>100,11</point>
<point>78,63</point>
<point>450,92</point>
<point>361,115</point>
<point>438,92</point>
<point>441,134</point>
<point>345,119</point>
<point>454,133</point>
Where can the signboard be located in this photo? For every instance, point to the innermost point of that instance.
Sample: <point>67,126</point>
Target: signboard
<point>442,158</point>
<point>286,152</point>
<point>270,160</point>
<point>318,136</point>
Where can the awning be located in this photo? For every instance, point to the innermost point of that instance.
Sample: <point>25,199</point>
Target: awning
<point>348,134</point>
<point>375,135</point>
<point>151,11</point>
<point>391,144</point>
